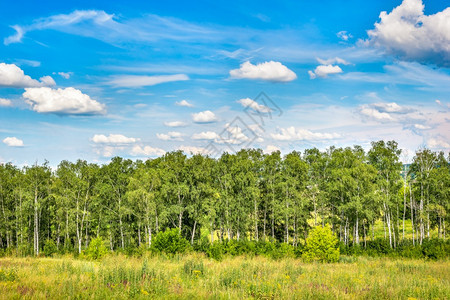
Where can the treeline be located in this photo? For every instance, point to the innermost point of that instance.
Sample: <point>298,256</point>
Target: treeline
<point>244,196</point>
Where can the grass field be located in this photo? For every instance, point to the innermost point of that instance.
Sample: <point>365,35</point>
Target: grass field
<point>196,277</point>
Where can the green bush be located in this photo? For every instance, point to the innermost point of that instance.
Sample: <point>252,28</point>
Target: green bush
<point>170,242</point>
<point>321,245</point>
<point>50,248</point>
<point>96,249</point>
<point>215,250</point>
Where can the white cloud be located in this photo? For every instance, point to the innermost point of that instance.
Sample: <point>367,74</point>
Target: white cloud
<point>147,151</point>
<point>16,38</point>
<point>344,35</point>
<point>193,150</point>
<point>65,75</point>
<point>438,143</point>
<point>62,101</point>
<point>324,70</point>
<point>247,102</point>
<point>438,102</point>
<point>271,148</point>
<point>5,102</point>
<point>410,34</point>
<point>374,114</point>
<point>140,81</point>
<point>13,76</point>
<point>392,112</point>
<point>421,127</point>
<point>184,103</point>
<point>115,139</point>
<point>47,81</point>
<point>331,61</point>
<point>206,116</point>
<point>175,124</point>
<point>270,71</point>
<point>13,142</point>
<point>205,135</point>
<point>391,107</point>
<point>106,27</point>
<point>299,134</point>
<point>170,136</point>
<point>234,135</point>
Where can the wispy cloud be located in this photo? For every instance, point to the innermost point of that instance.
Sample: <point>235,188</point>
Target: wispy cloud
<point>129,81</point>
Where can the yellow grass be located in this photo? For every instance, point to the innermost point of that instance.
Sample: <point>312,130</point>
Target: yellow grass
<point>196,277</point>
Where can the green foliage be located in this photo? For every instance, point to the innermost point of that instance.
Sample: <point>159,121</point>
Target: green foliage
<point>50,247</point>
<point>215,250</point>
<point>96,249</point>
<point>170,242</point>
<point>321,245</point>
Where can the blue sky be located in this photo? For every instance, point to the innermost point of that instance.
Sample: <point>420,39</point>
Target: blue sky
<point>136,79</point>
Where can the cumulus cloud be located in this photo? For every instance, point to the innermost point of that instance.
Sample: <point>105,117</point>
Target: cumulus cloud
<point>13,76</point>
<point>408,33</point>
<point>270,71</point>
<point>205,135</point>
<point>62,101</point>
<point>247,102</point>
<point>299,134</point>
<point>271,148</point>
<point>391,107</point>
<point>233,135</point>
<point>5,102</point>
<point>388,112</point>
<point>129,81</point>
<point>374,114</point>
<point>170,136</point>
<point>138,150</point>
<point>13,142</point>
<point>184,103</point>
<point>344,35</point>
<point>115,139</point>
<point>175,124</point>
<point>324,70</point>
<point>206,116</point>
<point>193,150</point>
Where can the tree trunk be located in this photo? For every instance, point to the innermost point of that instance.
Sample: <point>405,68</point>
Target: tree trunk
<point>356,229</point>
<point>193,233</point>
<point>36,223</point>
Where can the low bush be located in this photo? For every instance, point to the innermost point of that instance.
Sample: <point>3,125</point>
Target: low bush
<point>170,242</point>
<point>50,248</point>
<point>321,245</point>
<point>96,249</point>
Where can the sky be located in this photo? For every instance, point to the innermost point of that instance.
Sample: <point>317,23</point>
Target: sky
<point>137,79</point>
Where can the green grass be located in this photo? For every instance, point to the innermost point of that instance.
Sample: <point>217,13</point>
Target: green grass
<point>195,277</point>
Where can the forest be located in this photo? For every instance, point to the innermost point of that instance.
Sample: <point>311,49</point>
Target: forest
<point>246,196</point>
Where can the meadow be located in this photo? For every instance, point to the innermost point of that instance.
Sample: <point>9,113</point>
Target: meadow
<point>194,276</point>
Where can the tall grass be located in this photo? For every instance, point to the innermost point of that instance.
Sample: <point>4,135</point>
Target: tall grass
<point>194,276</point>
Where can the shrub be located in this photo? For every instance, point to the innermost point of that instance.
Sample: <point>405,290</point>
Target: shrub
<point>282,250</point>
<point>170,242</point>
<point>215,250</point>
<point>96,249</point>
<point>321,245</point>
<point>50,248</point>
